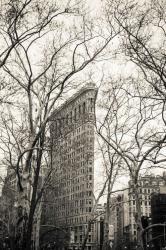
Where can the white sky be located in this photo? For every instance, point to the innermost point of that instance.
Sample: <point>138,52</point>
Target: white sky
<point>112,67</point>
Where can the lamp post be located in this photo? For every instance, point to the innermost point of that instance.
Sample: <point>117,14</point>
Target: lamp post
<point>164,234</point>
<point>147,246</point>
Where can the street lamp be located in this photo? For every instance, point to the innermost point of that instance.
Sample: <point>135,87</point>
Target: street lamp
<point>147,246</point>
<point>164,233</point>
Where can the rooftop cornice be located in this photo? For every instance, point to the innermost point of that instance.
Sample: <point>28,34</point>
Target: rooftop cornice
<point>88,86</point>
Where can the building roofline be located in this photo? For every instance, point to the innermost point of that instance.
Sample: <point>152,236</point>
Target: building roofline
<point>88,86</point>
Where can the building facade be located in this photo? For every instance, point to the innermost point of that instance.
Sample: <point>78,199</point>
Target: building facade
<point>119,218</point>
<point>72,180</point>
<point>148,185</point>
<point>8,208</point>
<point>123,210</point>
<point>99,226</point>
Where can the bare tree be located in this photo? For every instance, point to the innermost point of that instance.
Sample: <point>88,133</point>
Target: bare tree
<point>111,171</point>
<point>134,132</point>
<point>42,51</point>
<point>135,108</point>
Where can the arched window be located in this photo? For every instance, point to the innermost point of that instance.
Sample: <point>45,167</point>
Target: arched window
<point>91,104</point>
<point>84,107</point>
<point>75,114</point>
<point>71,118</point>
<point>67,119</point>
<point>79,109</point>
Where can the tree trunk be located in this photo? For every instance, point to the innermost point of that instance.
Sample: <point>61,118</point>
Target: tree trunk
<point>33,199</point>
<point>31,213</point>
<point>107,216</point>
<point>138,217</point>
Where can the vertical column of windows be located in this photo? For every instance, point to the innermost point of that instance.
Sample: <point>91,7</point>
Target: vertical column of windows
<point>79,191</point>
<point>84,107</point>
<point>75,114</point>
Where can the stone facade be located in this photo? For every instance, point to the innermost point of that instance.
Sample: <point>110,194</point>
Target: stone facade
<point>72,180</point>
<point>123,209</point>
<point>119,217</point>
<point>148,185</point>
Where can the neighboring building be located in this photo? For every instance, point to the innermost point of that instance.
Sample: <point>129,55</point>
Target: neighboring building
<point>100,210</point>
<point>99,226</point>
<point>12,214</point>
<point>122,212</point>
<point>119,218</point>
<point>7,207</point>
<point>148,184</point>
<point>70,200</point>
<point>158,216</point>
<point>3,222</point>
<point>10,184</point>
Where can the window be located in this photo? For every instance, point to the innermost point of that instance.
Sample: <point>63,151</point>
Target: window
<point>84,107</point>
<point>90,170</point>
<point>71,118</point>
<point>90,177</point>
<point>75,114</point>
<point>91,104</point>
<point>67,118</point>
<point>89,238</point>
<point>79,109</point>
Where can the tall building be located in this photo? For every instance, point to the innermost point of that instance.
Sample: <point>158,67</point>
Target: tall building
<point>148,185</point>
<point>72,138</point>
<point>119,218</point>
<point>99,226</point>
<point>8,207</point>
<point>123,210</point>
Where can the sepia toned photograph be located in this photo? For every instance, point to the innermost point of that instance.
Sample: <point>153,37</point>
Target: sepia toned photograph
<point>82,124</point>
